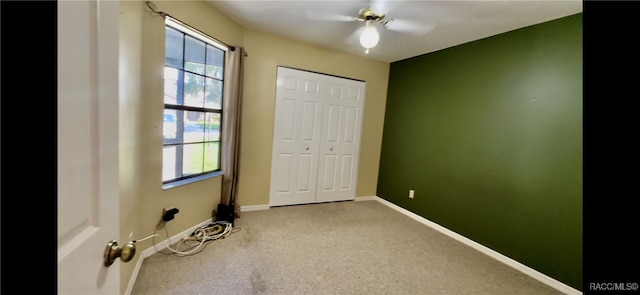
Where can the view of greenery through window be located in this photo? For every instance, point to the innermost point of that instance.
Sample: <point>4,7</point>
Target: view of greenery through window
<point>193,86</point>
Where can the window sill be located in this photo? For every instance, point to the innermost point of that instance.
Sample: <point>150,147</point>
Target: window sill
<point>190,180</point>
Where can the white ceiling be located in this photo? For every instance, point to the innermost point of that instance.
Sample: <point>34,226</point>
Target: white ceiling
<point>435,24</point>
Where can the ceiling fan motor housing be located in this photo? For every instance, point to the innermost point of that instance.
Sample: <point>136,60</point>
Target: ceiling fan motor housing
<point>367,14</point>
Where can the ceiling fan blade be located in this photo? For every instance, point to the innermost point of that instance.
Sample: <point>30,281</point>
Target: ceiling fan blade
<point>409,27</point>
<point>378,6</point>
<point>387,7</point>
<point>354,38</point>
<point>325,16</point>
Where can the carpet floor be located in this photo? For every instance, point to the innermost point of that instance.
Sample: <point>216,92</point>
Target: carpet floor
<point>332,248</point>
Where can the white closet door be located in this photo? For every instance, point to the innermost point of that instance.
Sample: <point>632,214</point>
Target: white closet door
<point>296,140</point>
<point>340,140</point>
<point>316,138</point>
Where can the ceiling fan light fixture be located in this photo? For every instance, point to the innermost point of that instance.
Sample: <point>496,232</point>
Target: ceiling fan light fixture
<point>369,37</point>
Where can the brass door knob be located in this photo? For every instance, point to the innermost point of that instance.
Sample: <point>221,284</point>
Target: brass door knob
<point>113,251</point>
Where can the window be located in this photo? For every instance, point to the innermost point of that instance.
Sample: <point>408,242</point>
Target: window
<point>193,87</point>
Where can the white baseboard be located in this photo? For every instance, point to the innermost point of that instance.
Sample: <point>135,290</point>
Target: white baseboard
<point>157,248</point>
<point>370,198</point>
<point>254,208</point>
<point>551,282</point>
<point>267,206</point>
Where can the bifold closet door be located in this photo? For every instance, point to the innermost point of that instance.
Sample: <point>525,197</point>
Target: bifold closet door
<point>296,139</point>
<point>340,140</point>
<point>316,138</point>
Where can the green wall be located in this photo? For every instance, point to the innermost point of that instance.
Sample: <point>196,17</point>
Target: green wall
<point>489,135</point>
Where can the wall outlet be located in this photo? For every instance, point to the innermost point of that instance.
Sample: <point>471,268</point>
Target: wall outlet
<point>411,192</point>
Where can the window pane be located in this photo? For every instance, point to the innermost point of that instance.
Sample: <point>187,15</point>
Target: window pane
<point>212,129</point>
<point>211,156</point>
<point>194,55</point>
<point>193,90</point>
<point>169,163</point>
<point>213,94</point>
<point>192,78</point>
<point>171,78</point>
<point>173,47</point>
<point>215,62</point>
<point>193,159</point>
<point>194,126</point>
<point>214,71</point>
<point>170,125</point>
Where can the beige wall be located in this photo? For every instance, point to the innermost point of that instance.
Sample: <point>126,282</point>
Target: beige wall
<point>130,165</point>
<point>266,52</point>
<point>141,108</point>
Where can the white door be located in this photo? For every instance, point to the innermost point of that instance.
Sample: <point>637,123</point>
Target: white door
<point>296,138</point>
<point>340,140</point>
<point>87,146</point>
<point>316,137</point>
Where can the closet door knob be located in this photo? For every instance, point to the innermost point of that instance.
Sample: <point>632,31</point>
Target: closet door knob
<point>331,149</point>
<point>307,148</point>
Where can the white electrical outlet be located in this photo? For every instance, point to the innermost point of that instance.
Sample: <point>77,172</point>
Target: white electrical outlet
<point>411,193</point>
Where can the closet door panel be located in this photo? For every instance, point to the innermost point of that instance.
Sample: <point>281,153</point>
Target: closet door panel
<point>296,139</point>
<point>340,140</point>
<point>329,173</point>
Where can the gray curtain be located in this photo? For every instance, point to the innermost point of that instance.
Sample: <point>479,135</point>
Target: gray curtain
<point>231,121</point>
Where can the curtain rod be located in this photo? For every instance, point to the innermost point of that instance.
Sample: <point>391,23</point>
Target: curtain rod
<point>153,8</point>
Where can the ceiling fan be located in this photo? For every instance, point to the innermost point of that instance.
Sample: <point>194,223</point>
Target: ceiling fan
<point>372,16</point>
<point>369,37</point>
